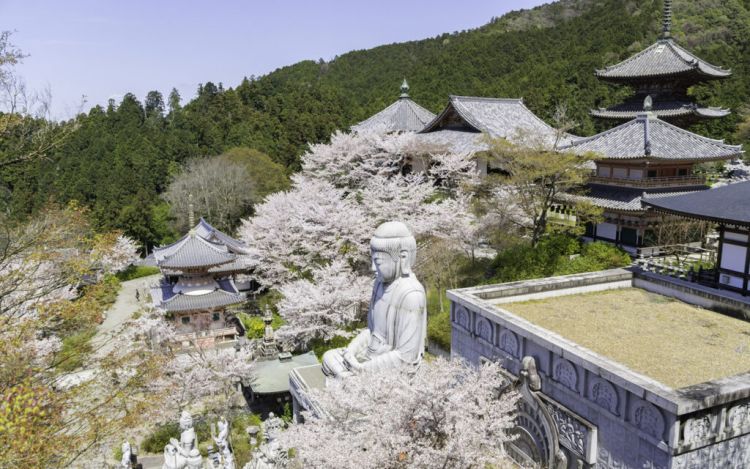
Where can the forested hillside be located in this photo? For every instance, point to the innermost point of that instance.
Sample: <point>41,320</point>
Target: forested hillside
<point>120,159</point>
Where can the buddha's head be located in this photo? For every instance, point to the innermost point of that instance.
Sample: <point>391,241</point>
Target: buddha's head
<point>394,251</point>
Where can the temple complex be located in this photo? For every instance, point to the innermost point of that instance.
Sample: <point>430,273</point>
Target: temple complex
<point>403,115</point>
<point>662,72</point>
<point>616,369</point>
<point>200,280</point>
<point>645,157</point>
<point>728,207</point>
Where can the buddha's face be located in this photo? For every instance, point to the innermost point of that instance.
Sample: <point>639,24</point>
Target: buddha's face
<point>385,265</point>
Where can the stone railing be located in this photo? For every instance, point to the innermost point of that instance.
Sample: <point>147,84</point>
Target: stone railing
<point>657,182</point>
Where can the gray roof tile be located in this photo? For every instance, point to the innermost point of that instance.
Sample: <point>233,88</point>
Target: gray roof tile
<point>632,140</point>
<point>193,252</point>
<point>622,199</point>
<point>215,299</point>
<point>662,109</point>
<point>402,116</point>
<point>662,58</point>
<point>727,204</point>
<point>466,119</point>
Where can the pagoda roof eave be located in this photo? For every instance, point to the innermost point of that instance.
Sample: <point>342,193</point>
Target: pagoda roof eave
<point>725,205</point>
<point>662,59</point>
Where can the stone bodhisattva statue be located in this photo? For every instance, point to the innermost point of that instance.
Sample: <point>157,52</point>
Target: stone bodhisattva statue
<point>397,317</point>
<point>183,454</point>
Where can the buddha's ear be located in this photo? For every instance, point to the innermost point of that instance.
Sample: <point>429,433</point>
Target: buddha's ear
<point>405,264</point>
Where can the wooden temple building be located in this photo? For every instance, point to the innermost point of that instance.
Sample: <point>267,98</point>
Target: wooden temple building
<point>645,157</point>
<point>729,208</point>
<point>200,281</point>
<point>662,72</point>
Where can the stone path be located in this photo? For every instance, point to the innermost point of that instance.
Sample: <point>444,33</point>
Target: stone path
<point>122,310</point>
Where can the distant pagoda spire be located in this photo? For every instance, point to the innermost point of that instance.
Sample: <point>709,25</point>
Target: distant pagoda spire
<point>666,32</point>
<point>191,212</point>
<point>404,89</point>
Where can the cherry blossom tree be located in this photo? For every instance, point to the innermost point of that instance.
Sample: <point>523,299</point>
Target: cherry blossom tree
<point>321,307</point>
<point>447,414</point>
<point>114,252</point>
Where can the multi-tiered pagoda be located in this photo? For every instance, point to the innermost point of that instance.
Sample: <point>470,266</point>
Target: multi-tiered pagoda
<point>200,281</point>
<point>663,71</point>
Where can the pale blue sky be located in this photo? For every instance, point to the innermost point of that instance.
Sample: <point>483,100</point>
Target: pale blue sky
<point>106,48</point>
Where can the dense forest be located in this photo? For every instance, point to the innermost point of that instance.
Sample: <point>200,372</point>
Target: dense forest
<point>119,160</point>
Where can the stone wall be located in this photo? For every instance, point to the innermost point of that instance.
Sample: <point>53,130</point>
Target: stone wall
<point>622,419</point>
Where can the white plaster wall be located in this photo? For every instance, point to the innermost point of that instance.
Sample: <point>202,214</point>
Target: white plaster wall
<point>733,257</point>
<point>606,230</point>
<point>735,236</point>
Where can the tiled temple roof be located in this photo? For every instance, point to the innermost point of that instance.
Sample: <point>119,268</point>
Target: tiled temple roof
<point>648,137</point>
<point>662,109</point>
<point>192,252</point>
<point>622,199</point>
<point>662,58</point>
<point>728,204</point>
<point>224,294</point>
<point>403,115</point>
<point>465,120</point>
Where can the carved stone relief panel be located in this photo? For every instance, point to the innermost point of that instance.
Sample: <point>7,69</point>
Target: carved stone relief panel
<point>508,342</point>
<point>697,429</point>
<point>462,317</point>
<point>738,417</point>
<point>604,395</point>
<point>728,454</point>
<point>565,373</point>
<point>649,419</point>
<point>484,329</point>
<point>574,433</point>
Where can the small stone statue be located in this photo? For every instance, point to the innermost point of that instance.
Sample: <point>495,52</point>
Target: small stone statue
<point>397,317</point>
<point>184,453</point>
<point>223,459</point>
<point>269,455</point>
<point>127,453</point>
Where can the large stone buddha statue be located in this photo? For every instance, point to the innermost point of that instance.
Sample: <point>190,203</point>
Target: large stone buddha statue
<point>397,317</point>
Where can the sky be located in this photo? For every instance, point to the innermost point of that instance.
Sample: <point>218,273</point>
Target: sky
<point>102,49</point>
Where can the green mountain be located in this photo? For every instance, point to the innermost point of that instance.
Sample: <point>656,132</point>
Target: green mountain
<point>120,159</point>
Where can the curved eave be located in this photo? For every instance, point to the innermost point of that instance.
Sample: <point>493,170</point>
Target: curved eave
<point>705,113</point>
<point>695,76</point>
<point>693,216</point>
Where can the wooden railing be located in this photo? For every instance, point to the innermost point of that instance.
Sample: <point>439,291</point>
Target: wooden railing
<point>676,181</point>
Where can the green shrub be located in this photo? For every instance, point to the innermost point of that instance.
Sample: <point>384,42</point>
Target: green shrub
<point>438,323</point>
<point>320,346</point>
<point>75,349</point>
<point>137,271</point>
<point>156,440</point>
<point>255,327</point>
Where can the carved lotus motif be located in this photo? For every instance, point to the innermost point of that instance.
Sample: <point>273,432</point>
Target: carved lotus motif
<point>484,329</point>
<point>509,342</point>
<point>565,374</point>
<point>604,394</point>
<point>738,417</point>
<point>697,429</point>
<point>649,420</point>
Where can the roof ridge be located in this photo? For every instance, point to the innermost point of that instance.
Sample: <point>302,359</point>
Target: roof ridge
<point>679,50</point>
<point>486,98</point>
<point>631,58</point>
<point>717,142</point>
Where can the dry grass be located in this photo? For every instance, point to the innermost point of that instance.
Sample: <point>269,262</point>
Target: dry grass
<point>670,341</point>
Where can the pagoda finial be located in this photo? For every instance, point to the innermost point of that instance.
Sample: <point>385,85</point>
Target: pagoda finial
<point>666,32</point>
<point>404,89</point>
<point>191,212</point>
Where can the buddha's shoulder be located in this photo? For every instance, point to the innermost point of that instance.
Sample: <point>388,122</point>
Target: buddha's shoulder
<point>411,293</point>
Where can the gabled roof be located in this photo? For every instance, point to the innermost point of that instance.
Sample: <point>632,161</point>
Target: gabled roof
<point>403,115</point>
<point>662,58</point>
<point>729,204</point>
<point>497,117</point>
<point>662,109</point>
<point>647,137</point>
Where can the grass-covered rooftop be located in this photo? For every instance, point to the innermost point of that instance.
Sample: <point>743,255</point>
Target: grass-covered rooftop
<point>667,340</point>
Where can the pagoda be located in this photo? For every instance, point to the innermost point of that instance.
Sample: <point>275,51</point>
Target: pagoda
<point>404,115</point>
<point>201,273</point>
<point>664,72</point>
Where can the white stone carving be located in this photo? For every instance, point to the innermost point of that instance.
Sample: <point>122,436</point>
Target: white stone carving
<point>604,395</point>
<point>565,373</point>
<point>509,342</point>
<point>183,454</point>
<point>397,317</point>
<point>648,419</point>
